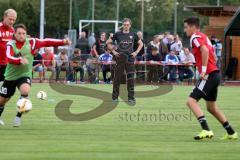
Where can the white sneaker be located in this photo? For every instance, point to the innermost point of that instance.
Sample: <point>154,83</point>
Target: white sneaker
<point>1,122</point>
<point>17,122</point>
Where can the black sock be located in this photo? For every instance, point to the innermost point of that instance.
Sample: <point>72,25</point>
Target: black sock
<point>19,114</point>
<point>1,109</point>
<point>228,128</point>
<point>23,96</point>
<point>202,120</point>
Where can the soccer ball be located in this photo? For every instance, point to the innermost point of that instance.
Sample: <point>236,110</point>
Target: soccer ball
<point>24,105</point>
<point>41,95</point>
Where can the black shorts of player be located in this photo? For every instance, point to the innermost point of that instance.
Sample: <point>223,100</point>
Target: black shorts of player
<point>9,87</point>
<point>207,89</point>
<point>2,71</point>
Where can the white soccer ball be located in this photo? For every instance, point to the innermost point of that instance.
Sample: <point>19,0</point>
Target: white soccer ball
<point>41,95</point>
<point>24,105</point>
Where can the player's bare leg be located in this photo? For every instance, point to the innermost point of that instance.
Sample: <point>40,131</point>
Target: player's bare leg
<point>219,115</point>
<point>196,109</point>
<point>24,91</point>
<point>41,76</point>
<point>3,101</point>
<point>214,110</point>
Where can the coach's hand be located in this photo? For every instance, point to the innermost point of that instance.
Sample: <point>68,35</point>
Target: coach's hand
<point>116,53</point>
<point>134,54</point>
<point>24,61</point>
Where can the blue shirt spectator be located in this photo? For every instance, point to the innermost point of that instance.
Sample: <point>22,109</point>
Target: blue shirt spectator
<point>106,57</point>
<point>172,58</point>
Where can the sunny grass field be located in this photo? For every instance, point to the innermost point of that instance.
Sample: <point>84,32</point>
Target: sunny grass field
<point>113,136</point>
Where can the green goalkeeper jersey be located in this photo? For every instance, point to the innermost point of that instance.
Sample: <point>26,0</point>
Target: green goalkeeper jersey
<point>13,71</point>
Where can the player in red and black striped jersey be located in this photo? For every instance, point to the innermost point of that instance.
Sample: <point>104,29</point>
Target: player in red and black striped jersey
<point>207,86</point>
<point>6,34</point>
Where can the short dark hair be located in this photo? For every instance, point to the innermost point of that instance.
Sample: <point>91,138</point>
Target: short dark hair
<point>20,26</point>
<point>193,21</point>
<point>76,50</point>
<point>127,20</point>
<point>102,33</point>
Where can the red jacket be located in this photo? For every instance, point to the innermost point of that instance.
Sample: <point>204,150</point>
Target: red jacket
<point>35,44</point>
<point>199,39</point>
<point>6,34</point>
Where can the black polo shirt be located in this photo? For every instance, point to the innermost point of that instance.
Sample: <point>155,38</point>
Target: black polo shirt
<point>125,42</point>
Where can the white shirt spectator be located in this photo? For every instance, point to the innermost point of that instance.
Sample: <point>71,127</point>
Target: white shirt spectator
<point>155,45</point>
<point>61,59</point>
<point>177,46</point>
<point>186,57</point>
<point>165,41</point>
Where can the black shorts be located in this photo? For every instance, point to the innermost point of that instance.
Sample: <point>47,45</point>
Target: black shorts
<point>207,89</point>
<point>2,71</point>
<point>9,87</point>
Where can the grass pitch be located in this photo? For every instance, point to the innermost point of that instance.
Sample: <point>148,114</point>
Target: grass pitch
<point>156,128</point>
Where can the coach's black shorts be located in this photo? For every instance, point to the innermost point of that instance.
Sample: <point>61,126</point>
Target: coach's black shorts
<point>207,89</point>
<point>2,71</point>
<point>9,87</point>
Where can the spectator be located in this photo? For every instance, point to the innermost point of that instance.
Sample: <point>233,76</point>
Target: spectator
<point>91,40</point>
<point>61,63</point>
<point>106,57</point>
<point>92,69</point>
<point>140,75</point>
<point>49,61</point>
<point>38,65</point>
<point>83,45</point>
<point>153,70</point>
<point>213,40</point>
<point>172,60</point>
<point>218,50</point>
<point>76,66</point>
<point>178,44</point>
<point>186,72</point>
<point>171,44</point>
<point>165,38</point>
<point>217,45</point>
<point>154,43</point>
<point>98,47</point>
<point>163,49</point>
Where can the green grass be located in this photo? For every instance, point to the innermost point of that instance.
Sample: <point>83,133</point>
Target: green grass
<point>113,136</point>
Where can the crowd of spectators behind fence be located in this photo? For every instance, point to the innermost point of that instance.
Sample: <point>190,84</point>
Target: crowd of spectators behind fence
<point>165,59</point>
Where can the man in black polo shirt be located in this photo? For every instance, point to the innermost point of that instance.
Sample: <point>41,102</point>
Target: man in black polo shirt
<point>125,56</point>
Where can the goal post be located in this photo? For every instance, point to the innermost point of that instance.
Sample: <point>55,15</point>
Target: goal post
<point>81,22</point>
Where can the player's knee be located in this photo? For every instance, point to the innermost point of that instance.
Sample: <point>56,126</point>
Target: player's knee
<point>24,91</point>
<point>211,109</point>
<point>3,101</point>
<point>190,102</point>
